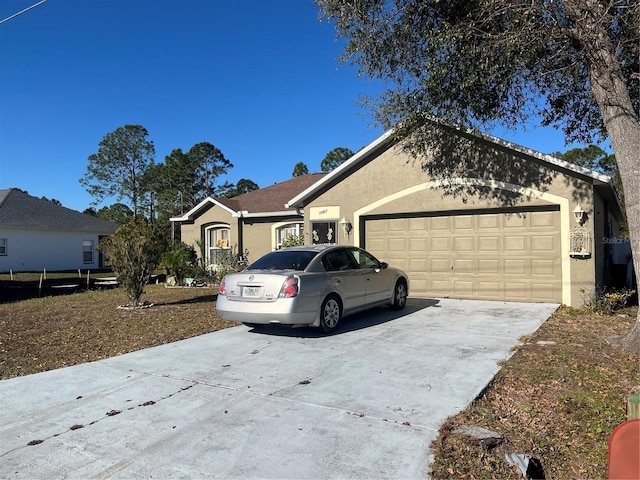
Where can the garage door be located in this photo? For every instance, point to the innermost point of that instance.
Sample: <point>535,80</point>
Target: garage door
<point>496,256</point>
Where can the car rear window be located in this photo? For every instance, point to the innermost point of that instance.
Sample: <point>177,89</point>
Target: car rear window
<point>283,260</point>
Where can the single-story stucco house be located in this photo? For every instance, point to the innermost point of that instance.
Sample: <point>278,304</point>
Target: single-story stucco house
<point>256,222</point>
<point>517,225</point>
<point>37,234</point>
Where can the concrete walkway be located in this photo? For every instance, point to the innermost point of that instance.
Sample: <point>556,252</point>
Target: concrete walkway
<point>282,403</point>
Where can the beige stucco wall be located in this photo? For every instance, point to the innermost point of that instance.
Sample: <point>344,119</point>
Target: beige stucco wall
<point>258,234</point>
<point>191,232</point>
<point>394,183</point>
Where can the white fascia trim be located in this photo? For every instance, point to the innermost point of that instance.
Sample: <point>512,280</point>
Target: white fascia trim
<point>245,214</point>
<point>187,216</point>
<point>542,156</point>
<point>344,166</point>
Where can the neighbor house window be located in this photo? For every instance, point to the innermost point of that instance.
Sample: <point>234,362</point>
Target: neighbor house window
<point>3,246</point>
<point>87,251</point>
<point>324,232</point>
<point>286,231</point>
<point>217,242</point>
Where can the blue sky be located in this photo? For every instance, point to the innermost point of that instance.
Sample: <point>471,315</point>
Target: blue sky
<point>258,79</point>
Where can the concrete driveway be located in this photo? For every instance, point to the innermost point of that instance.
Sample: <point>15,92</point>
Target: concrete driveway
<point>238,403</point>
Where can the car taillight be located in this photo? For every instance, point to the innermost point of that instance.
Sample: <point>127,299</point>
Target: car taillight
<point>221,290</point>
<point>289,287</point>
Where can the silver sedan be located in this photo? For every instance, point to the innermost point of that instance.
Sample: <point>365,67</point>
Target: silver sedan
<point>310,286</point>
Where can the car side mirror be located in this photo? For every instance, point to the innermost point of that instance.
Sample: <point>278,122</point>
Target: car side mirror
<point>383,265</point>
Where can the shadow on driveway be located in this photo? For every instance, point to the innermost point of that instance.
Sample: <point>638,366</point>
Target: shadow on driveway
<point>357,321</point>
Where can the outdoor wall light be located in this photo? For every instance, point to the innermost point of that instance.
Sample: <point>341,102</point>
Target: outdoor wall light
<point>579,214</point>
<point>580,240</point>
<point>346,225</point>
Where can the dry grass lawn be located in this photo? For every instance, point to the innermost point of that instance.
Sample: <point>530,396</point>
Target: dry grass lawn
<point>41,334</point>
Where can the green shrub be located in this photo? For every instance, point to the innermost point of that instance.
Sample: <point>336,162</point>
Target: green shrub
<point>180,262</point>
<point>605,302</point>
<point>293,241</point>
<point>133,252</point>
<point>227,261</point>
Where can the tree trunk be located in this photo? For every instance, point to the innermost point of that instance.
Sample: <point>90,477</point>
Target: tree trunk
<point>610,91</point>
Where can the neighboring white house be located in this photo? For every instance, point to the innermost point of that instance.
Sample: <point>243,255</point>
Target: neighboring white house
<point>37,234</point>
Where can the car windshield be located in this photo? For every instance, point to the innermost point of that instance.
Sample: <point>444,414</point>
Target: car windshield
<point>283,260</point>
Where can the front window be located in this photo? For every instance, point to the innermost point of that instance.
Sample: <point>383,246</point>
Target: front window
<point>323,232</point>
<point>287,233</point>
<point>87,251</point>
<point>217,242</point>
<point>3,246</point>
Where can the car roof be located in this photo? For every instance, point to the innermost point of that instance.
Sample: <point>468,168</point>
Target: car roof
<point>311,248</point>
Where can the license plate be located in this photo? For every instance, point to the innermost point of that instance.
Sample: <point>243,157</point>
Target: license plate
<point>253,292</point>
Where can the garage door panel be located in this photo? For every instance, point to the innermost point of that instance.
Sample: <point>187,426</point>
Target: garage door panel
<point>418,244</point>
<point>516,291</point>
<point>488,221</point>
<point>439,223</point>
<point>463,244</point>
<point>440,244</point>
<point>543,267</point>
<point>514,221</point>
<point>488,266</point>
<point>463,265</point>
<point>515,266</point>
<point>397,244</point>
<point>464,289</point>
<point>439,287</point>
<point>515,244</point>
<point>490,256</point>
<point>419,224</point>
<point>489,290</point>
<point>463,222</point>
<point>440,265</point>
<point>542,292</point>
<point>542,219</point>
<point>488,244</point>
<point>542,243</point>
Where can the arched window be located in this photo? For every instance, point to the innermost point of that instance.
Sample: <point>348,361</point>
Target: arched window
<point>217,241</point>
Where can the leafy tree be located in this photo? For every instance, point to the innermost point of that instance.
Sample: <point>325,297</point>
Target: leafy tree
<point>299,169</point>
<point>592,157</point>
<point>335,158</point>
<point>595,158</point>
<point>118,213</point>
<point>52,200</point>
<point>133,252</point>
<point>118,168</point>
<point>481,63</point>
<point>210,164</point>
<point>176,183</point>
<point>243,186</point>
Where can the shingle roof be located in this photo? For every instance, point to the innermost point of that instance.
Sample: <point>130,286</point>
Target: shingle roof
<point>272,198</point>
<point>21,210</point>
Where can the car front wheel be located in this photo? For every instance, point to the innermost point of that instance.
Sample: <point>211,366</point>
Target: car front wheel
<point>330,314</point>
<point>400,293</point>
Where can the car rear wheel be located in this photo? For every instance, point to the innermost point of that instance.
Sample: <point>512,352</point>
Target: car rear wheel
<point>330,314</point>
<point>400,293</point>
